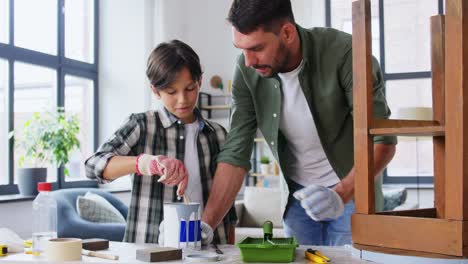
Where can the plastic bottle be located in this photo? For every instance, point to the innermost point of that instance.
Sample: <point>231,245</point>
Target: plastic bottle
<point>44,217</point>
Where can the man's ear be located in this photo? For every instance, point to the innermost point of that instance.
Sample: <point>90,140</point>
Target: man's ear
<point>155,92</point>
<point>288,32</point>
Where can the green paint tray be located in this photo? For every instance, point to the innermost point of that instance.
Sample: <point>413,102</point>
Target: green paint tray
<point>256,250</point>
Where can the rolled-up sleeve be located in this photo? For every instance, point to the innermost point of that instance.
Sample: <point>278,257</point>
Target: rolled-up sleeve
<point>239,142</point>
<point>381,109</point>
<point>121,143</point>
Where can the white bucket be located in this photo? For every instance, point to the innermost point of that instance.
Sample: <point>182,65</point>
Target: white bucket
<point>176,231</point>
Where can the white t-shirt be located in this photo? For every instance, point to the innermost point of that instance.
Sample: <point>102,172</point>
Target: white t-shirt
<point>194,191</point>
<point>306,162</point>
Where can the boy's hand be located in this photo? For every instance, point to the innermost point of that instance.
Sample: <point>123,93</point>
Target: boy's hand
<point>172,171</point>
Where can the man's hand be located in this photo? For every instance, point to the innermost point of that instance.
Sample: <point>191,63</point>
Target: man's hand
<point>172,171</point>
<point>206,233</point>
<point>320,203</point>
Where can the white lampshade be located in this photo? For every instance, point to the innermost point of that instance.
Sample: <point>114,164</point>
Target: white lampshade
<point>414,113</point>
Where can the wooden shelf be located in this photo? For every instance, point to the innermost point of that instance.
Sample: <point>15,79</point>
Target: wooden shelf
<point>215,107</point>
<point>406,128</point>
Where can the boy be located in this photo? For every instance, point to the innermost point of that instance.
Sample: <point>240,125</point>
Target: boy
<point>152,146</point>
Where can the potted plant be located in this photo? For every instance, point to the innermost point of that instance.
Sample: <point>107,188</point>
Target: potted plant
<point>264,165</point>
<point>46,138</point>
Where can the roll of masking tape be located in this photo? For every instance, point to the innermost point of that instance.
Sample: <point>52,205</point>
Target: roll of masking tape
<point>63,249</point>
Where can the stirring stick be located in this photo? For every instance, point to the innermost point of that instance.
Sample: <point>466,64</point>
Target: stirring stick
<point>99,254</point>
<point>186,199</point>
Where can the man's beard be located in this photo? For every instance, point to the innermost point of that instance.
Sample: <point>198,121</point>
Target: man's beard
<point>279,63</point>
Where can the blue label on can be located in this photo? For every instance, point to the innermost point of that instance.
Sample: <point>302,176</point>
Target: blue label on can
<point>192,232</point>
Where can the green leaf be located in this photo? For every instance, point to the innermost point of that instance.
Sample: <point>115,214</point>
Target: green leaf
<point>47,137</point>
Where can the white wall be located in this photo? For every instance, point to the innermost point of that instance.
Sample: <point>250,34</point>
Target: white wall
<point>309,13</point>
<point>202,24</point>
<point>17,216</point>
<point>126,35</point>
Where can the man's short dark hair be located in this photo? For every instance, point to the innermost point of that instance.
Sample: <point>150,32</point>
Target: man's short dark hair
<point>249,15</point>
<point>168,59</point>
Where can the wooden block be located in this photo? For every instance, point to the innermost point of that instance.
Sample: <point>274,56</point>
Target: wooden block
<point>158,254</point>
<point>432,235</point>
<point>95,244</point>
<point>423,213</point>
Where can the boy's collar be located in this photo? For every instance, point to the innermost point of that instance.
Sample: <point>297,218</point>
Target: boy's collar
<point>168,119</point>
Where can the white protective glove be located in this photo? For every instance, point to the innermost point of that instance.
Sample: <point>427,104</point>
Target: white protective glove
<point>172,171</point>
<point>161,234</point>
<point>320,203</point>
<point>206,233</point>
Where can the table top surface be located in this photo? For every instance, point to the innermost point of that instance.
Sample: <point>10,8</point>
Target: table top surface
<point>231,254</point>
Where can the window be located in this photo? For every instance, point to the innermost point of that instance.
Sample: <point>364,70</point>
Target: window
<point>401,43</point>
<point>341,19</point>
<point>4,21</point>
<point>34,91</point>
<point>414,154</point>
<point>3,121</point>
<point>36,25</point>
<point>79,99</point>
<point>47,60</point>
<point>79,30</point>
<point>407,35</point>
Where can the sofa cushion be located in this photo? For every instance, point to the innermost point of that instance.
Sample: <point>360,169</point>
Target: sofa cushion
<point>260,205</point>
<point>393,197</point>
<point>96,208</point>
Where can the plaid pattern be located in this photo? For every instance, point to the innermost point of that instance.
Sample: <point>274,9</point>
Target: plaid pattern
<point>160,133</point>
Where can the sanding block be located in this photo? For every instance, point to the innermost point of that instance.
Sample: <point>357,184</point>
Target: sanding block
<point>158,254</point>
<point>95,244</point>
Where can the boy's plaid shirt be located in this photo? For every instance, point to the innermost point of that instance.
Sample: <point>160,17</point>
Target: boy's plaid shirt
<point>159,133</point>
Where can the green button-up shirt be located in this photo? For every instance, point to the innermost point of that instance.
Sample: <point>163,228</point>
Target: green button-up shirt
<point>326,80</point>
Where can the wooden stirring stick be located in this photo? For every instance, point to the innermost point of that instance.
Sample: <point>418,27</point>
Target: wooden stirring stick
<point>186,199</point>
<point>99,254</point>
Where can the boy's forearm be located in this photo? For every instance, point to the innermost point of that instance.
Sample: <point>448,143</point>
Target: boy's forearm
<point>119,166</point>
<point>227,183</point>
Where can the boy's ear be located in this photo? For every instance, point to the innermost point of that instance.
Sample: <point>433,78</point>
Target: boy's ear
<point>155,92</point>
<point>199,84</point>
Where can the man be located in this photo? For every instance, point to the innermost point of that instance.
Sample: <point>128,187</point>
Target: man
<point>295,85</point>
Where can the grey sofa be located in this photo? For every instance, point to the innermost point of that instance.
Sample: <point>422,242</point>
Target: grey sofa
<point>70,224</point>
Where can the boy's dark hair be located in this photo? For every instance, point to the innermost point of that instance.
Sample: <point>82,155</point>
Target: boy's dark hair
<point>168,59</point>
<point>249,15</point>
